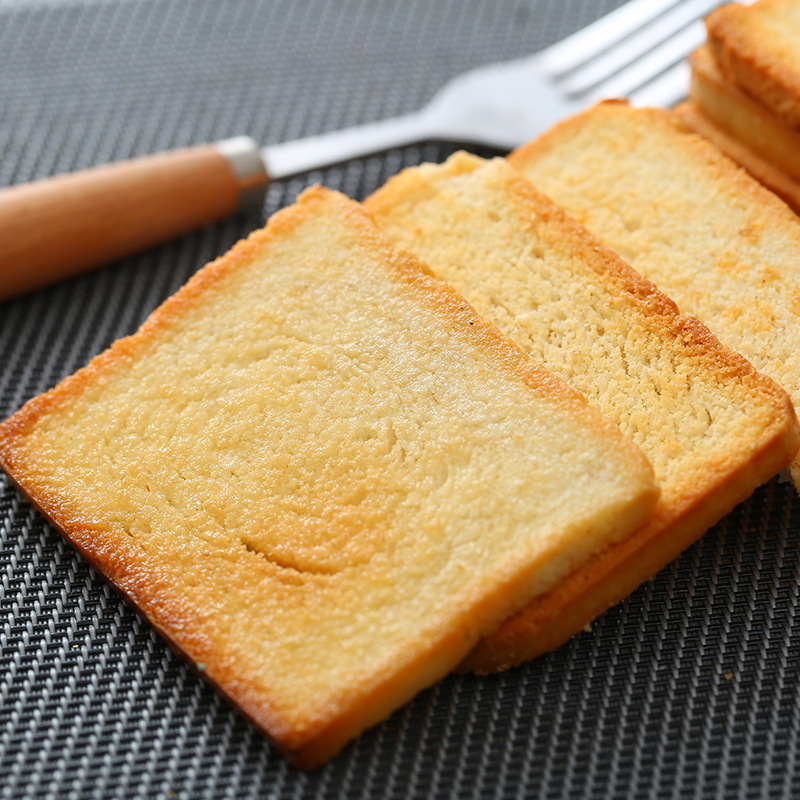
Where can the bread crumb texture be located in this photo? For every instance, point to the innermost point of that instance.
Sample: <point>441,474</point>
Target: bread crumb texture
<point>712,427</point>
<point>322,475</point>
<point>723,247</point>
<point>577,309</point>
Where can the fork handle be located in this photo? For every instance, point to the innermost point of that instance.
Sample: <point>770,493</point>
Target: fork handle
<point>58,227</point>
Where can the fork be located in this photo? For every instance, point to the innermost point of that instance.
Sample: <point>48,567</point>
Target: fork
<point>99,215</point>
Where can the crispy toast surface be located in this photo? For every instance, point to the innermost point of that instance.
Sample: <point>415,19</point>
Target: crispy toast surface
<point>712,426</point>
<point>725,248</point>
<point>758,48</point>
<point>742,118</point>
<point>763,170</point>
<point>322,476</point>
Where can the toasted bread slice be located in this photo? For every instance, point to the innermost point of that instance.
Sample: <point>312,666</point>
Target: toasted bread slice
<point>322,476</point>
<point>744,130</point>
<point>757,47</point>
<point>763,170</point>
<point>726,249</point>
<point>712,426</point>
<point>741,117</point>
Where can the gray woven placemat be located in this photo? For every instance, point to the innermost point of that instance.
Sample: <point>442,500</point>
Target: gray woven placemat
<point>689,688</point>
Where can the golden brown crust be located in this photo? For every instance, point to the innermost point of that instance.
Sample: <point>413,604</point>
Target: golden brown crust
<point>658,310</point>
<point>762,170</point>
<point>756,48</point>
<point>688,506</point>
<point>550,620</point>
<point>182,570</point>
<point>750,192</point>
<point>743,222</point>
<point>739,117</point>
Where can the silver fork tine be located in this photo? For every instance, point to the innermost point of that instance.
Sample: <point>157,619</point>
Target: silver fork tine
<point>661,58</point>
<point>666,90</point>
<point>575,50</point>
<point>636,46</point>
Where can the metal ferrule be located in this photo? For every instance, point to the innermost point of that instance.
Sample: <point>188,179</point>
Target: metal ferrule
<point>247,166</point>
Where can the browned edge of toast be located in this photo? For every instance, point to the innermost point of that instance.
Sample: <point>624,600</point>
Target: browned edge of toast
<point>132,572</point>
<point>551,619</point>
<point>760,168</point>
<point>751,60</point>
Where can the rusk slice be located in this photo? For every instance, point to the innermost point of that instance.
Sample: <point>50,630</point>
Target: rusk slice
<point>764,171</point>
<point>742,129</point>
<point>322,476</point>
<point>741,116</point>
<point>757,47</point>
<point>712,426</point>
<point>710,236</point>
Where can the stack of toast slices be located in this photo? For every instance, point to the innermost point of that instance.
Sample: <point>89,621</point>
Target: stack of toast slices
<point>442,430</point>
<point>712,426</point>
<point>745,91</point>
<point>323,476</point>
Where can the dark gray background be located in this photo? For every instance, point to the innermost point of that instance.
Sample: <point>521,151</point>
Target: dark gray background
<point>689,688</point>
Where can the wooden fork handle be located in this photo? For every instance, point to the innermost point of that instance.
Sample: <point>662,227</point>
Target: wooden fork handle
<point>61,226</point>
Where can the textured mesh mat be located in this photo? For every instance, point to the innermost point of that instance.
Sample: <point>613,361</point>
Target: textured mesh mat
<point>689,688</point>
